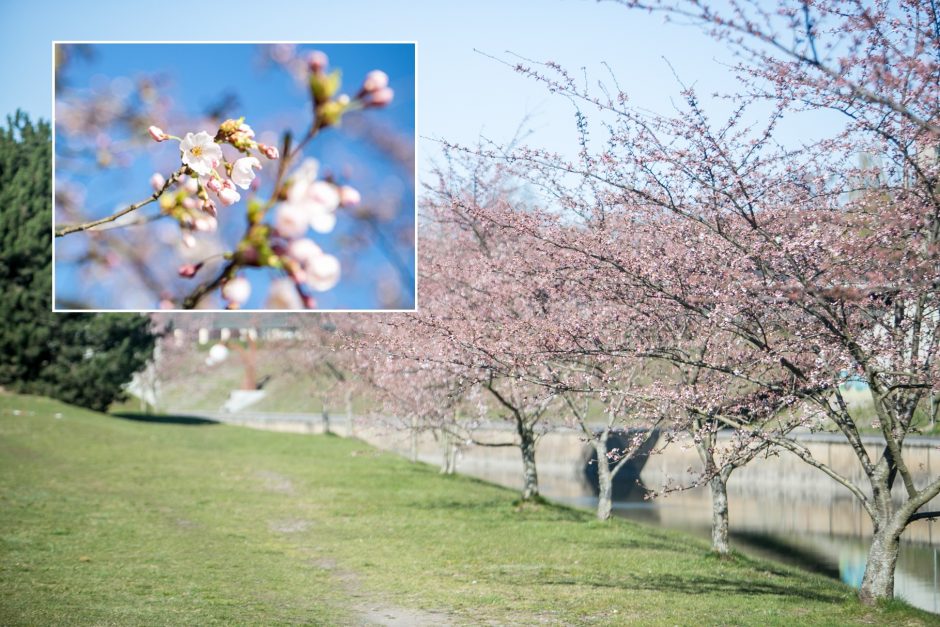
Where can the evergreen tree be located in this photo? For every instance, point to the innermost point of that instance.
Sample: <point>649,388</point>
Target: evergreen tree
<point>85,359</point>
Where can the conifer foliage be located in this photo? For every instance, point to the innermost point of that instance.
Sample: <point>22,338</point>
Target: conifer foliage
<point>85,359</point>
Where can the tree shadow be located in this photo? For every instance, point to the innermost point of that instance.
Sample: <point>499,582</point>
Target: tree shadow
<point>803,558</point>
<point>164,419</point>
<point>704,585</point>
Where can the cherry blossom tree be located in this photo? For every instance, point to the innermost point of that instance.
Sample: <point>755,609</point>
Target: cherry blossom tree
<point>802,267</point>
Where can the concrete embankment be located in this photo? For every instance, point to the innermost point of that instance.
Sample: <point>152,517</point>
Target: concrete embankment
<point>769,493</point>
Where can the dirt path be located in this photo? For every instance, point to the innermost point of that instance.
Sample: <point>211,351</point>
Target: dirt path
<point>374,611</point>
<point>369,608</point>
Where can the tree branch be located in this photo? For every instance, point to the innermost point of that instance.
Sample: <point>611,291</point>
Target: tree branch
<point>85,226</point>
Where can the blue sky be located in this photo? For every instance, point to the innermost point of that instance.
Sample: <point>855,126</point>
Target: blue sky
<point>461,92</point>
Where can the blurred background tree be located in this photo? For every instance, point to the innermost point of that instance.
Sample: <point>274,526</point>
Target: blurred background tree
<point>85,359</point>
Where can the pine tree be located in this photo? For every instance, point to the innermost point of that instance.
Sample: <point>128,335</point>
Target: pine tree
<point>85,359</point>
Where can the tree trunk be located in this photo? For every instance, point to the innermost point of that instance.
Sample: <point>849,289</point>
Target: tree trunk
<point>530,484</point>
<point>718,486</point>
<point>450,449</point>
<point>414,439</point>
<point>878,582</point>
<point>934,409</point>
<point>445,453</point>
<point>605,481</point>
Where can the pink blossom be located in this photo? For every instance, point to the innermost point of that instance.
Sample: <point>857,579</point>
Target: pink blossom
<point>323,273</point>
<point>269,151</point>
<point>321,270</point>
<point>229,195</point>
<point>349,196</point>
<point>237,290</point>
<point>206,224</point>
<point>214,185</point>
<point>209,207</point>
<point>317,200</point>
<point>246,130</point>
<point>157,181</point>
<point>190,184</point>
<point>304,251</point>
<point>381,97</point>
<point>291,220</point>
<point>243,171</point>
<point>282,294</point>
<point>374,81</point>
<point>157,134</point>
<point>200,152</point>
<point>317,61</point>
<point>189,270</point>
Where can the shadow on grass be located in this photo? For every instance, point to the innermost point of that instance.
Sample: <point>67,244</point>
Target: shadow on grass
<point>704,585</point>
<point>785,551</point>
<point>166,419</point>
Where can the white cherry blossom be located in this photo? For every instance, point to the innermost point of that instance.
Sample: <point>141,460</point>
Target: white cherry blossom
<point>243,171</point>
<point>200,152</point>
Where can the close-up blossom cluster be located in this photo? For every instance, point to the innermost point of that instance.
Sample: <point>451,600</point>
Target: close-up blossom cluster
<point>300,202</point>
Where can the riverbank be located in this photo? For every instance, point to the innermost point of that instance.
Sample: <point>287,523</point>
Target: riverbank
<point>183,521</point>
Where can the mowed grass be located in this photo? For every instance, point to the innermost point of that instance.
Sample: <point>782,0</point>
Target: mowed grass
<point>105,520</point>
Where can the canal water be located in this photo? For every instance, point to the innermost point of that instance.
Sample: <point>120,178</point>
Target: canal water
<point>837,556</point>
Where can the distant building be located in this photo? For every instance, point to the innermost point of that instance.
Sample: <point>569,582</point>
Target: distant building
<point>204,328</point>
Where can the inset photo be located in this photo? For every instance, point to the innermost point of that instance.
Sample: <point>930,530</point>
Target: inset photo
<point>258,176</point>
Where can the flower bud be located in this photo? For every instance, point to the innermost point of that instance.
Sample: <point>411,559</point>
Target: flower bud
<point>157,181</point>
<point>269,151</point>
<point>213,185</point>
<point>330,113</point>
<point>349,196</point>
<point>237,290</point>
<point>209,207</point>
<point>324,86</point>
<point>157,134</point>
<point>229,195</point>
<point>191,185</point>
<point>317,61</point>
<point>374,81</point>
<point>381,97</point>
<point>310,302</point>
<point>246,130</point>
<point>206,224</point>
<point>189,270</point>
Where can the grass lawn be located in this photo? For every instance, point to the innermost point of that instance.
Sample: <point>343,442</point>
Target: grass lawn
<point>106,520</point>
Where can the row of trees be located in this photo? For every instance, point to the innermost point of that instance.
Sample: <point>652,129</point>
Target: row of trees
<point>715,281</point>
<point>700,277</point>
